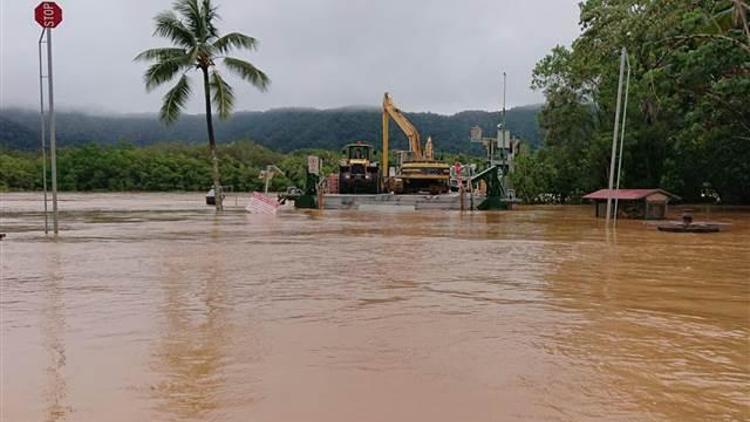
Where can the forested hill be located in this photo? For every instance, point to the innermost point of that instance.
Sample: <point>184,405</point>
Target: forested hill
<point>280,129</point>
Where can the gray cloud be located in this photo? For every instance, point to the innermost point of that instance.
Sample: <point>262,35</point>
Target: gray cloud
<point>432,55</point>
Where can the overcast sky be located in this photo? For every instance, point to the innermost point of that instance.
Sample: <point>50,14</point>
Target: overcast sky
<point>432,55</point>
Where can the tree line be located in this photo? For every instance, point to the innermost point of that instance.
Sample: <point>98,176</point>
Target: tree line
<point>164,167</point>
<point>688,111</point>
<point>124,167</point>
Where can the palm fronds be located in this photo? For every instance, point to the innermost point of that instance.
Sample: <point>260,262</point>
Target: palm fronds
<point>174,100</point>
<point>160,54</point>
<point>223,97</point>
<point>234,40</point>
<point>248,72</point>
<point>197,44</point>
<point>199,17</point>
<point>164,70</point>
<point>169,26</point>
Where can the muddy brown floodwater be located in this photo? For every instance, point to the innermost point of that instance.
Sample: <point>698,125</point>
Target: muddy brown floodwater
<point>149,307</point>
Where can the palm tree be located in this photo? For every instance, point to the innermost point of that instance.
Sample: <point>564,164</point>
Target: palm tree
<point>197,45</point>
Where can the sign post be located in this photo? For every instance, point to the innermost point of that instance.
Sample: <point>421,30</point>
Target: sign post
<point>49,15</point>
<point>42,134</point>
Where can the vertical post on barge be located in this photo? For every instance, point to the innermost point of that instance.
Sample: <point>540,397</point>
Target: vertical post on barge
<point>503,158</point>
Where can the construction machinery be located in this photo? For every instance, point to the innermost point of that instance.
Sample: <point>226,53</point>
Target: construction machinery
<point>417,170</point>
<point>358,172</point>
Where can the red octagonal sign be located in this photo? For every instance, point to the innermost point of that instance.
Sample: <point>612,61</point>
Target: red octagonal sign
<point>48,14</point>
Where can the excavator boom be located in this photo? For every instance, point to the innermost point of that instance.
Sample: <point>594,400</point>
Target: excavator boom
<point>390,110</point>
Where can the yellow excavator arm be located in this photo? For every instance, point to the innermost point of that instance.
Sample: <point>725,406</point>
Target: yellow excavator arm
<point>390,110</point>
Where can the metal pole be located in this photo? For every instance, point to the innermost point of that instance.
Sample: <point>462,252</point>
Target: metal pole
<point>614,137</point>
<point>504,159</point>
<point>622,136</point>
<point>52,141</point>
<point>471,192</point>
<point>461,194</point>
<point>43,134</point>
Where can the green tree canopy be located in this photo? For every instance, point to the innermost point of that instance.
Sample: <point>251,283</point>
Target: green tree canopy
<point>688,115</point>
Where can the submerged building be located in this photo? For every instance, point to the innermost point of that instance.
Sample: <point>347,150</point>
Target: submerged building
<point>648,204</point>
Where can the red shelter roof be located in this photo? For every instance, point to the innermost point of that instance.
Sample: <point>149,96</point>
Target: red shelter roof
<point>627,194</point>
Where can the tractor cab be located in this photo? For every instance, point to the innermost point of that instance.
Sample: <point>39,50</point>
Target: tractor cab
<point>358,151</point>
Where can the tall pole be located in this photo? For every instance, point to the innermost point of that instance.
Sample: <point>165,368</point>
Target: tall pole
<point>52,141</point>
<point>504,128</point>
<point>43,134</point>
<point>614,136</point>
<point>622,136</point>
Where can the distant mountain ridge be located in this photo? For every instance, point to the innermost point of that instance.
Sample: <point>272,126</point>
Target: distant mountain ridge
<point>283,129</point>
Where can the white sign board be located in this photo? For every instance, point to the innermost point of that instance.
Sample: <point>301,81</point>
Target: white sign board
<point>475,134</point>
<point>314,164</point>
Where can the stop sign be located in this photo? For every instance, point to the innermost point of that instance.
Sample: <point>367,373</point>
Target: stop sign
<point>48,14</point>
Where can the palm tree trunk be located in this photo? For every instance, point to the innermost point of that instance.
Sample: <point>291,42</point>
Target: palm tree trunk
<point>218,191</point>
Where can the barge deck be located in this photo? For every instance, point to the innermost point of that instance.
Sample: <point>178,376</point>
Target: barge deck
<point>389,201</point>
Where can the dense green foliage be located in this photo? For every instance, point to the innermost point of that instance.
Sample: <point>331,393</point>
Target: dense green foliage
<point>688,114</point>
<point>165,167</point>
<point>282,130</point>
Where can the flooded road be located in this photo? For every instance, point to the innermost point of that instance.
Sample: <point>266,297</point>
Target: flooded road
<point>149,307</point>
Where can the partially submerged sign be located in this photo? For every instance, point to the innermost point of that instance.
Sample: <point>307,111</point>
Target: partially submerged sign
<point>262,204</point>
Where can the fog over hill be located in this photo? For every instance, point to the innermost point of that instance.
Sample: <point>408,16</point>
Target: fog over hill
<point>283,129</point>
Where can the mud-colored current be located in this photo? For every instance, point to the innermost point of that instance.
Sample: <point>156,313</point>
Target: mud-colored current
<point>150,308</point>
